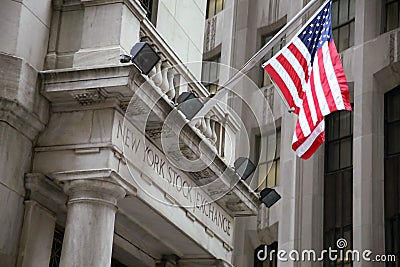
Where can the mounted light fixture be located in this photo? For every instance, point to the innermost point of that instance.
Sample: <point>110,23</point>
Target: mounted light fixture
<point>269,196</point>
<point>244,167</point>
<point>143,56</point>
<point>189,104</point>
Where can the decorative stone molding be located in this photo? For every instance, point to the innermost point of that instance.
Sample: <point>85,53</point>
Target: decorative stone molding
<point>21,119</point>
<point>394,46</point>
<point>43,190</point>
<point>210,32</point>
<point>89,97</point>
<point>92,180</point>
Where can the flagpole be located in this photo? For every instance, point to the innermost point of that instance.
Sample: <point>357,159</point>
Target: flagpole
<point>255,59</point>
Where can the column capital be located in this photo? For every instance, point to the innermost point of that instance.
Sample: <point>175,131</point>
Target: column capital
<point>102,186</point>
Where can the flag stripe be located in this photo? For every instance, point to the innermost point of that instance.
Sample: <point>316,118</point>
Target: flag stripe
<point>340,75</point>
<point>322,101</point>
<point>280,83</point>
<point>292,73</point>
<point>304,124</point>
<point>324,84</point>
<point>287,81</point>
<point>302,49</point>
<point>331,78</point>
<point>311,144</point>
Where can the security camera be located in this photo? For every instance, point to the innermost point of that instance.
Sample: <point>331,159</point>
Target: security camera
<point>125,58</point>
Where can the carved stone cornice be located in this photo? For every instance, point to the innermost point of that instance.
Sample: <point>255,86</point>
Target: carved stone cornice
<point>45,191</point>
<point>21,119</point>
<point>119,85</point>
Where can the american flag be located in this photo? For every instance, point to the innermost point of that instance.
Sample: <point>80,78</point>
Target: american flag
<point>310,76</point>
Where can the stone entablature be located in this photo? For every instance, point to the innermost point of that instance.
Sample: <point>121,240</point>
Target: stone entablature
<point>88,131</point>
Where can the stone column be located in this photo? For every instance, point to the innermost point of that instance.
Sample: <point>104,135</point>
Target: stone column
<point>88,237</point>
<point>37,235</point>
<point>368,140</point>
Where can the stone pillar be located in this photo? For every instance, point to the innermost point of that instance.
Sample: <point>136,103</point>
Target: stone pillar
<point>37,236</point>
<point>368,141</point>
<point>89,231</point>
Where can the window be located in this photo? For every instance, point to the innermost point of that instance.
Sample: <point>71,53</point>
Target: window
<point>392,173</point>
<point>343,21</point>
<point>265,39</point>
<point>268,179</point>
<point>266,252</point>
<point>210,74</point>
<point>149,7</point>
<point>214,7</point>
<point>56,247</point>
<point>392,9</point>
<point>55,256</point>
<point>338,182</point>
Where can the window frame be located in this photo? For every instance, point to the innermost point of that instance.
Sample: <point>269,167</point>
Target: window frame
<point>216,9</point>
<point>391,177</point>
<point>211,86</point>
<point>265,81</point>
<point>341,25</point>
<point>269,181</point>
<point>335,181</point>
<point>151,9</point>
<point>385,14</point>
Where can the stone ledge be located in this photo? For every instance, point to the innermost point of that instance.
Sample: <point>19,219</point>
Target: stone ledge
<point>21,119</point>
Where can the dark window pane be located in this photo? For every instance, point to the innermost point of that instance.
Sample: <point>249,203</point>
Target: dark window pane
<point>343,11</point>
<point>393,106</point>
<point>345,153</point>
<point>393,138</point>
<point>335,13</point>
<point>333,156</point>
<point>343,37</point>
<point>345,123</point>
<point>329,202</point>
<point>392,16</point>
<point>352,9</point>
<point>333,126</point>
<point>336,37</point>
<point>278,143</point>
<point>339,200</point>
<point>347,197</point>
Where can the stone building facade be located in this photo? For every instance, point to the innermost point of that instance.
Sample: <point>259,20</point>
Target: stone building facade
<point>85,181</point>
